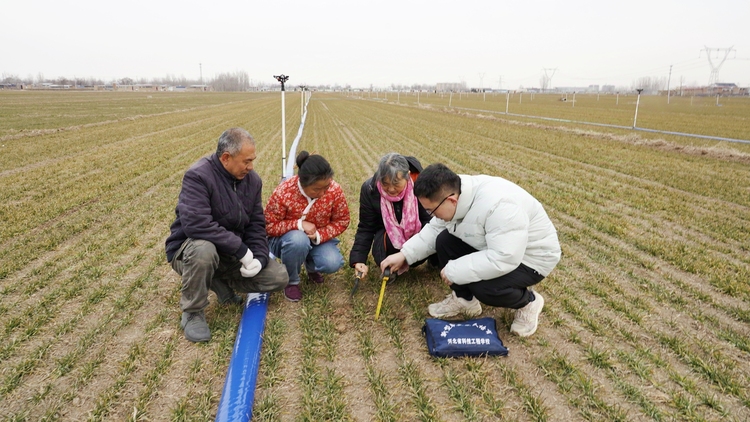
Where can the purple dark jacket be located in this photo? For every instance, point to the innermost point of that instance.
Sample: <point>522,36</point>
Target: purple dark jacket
<point>217,207</point>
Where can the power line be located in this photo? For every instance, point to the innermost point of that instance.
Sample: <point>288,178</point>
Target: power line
<point>693,64</point>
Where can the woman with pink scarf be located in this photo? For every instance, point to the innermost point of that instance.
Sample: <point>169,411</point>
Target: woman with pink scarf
<point>389,213</point>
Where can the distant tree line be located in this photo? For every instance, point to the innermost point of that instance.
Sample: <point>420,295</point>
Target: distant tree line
<point>240,81</point>
<point>650,84</point>
<point>232,81</point>
<point>9,78</point>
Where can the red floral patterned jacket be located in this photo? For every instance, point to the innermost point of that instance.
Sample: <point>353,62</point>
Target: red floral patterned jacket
<point>329,213</point>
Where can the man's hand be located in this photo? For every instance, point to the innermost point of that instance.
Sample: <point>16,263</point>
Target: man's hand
<point>394,262</point>
<point>251,270</point>
<point>445,277</point>
<point>361,268</point>
<point>247,259</point>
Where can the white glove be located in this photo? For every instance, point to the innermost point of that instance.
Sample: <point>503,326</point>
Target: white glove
<point>247,259</point>
<point>251,270</point>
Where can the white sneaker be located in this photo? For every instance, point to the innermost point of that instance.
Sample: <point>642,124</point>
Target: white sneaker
<point>453,305</point>
<point>527,318</point>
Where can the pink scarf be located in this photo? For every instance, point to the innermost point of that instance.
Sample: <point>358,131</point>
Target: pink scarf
<point>410,225</point>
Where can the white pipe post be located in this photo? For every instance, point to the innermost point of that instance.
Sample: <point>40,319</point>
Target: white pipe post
<point>617,101</point>
<point>717,99</point>
<point>283,133</point>
<point>283,78</point>
<point>507,101</point>
<point>520,98</point>
<point>418,97</point>
<point>668,81</point>
<point>574,99</point>
<point>450,99</point>
<point>637,102</point>
<point>484,96</point>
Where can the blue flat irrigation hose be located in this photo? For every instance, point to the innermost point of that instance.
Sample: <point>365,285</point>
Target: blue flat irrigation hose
<point>239,388</point>
<point>236,404</point>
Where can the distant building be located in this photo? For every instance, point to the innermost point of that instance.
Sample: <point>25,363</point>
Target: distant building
<point>571,89</point>
<point>723,89</point>
<point>145,87</point>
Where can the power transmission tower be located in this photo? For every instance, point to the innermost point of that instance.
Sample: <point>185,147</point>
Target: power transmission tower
<point>714,78</point>
<point>547,77</point>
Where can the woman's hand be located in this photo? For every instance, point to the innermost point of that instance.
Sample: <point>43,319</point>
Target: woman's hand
<point>361,268</point>
<point>309,228</point>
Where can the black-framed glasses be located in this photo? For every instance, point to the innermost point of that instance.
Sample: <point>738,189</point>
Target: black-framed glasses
<point>431,213</point>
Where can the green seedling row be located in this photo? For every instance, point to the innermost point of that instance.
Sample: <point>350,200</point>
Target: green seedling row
<point>646,316</point>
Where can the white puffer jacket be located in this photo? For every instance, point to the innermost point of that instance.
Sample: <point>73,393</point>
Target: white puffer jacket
<point>502,221</point>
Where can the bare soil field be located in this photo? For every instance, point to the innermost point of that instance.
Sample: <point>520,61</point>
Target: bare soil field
<point>647,316</point>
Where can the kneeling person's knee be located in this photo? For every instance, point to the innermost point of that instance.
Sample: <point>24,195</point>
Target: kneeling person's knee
<point>329,263</point>
<point>273,277</point>
<point>201,253</point>
<point>295,241</point>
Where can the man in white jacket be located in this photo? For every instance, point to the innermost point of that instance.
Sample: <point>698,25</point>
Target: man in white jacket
<point>493,241</point>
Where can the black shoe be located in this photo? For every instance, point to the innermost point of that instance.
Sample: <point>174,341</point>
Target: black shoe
<point>195,326</point>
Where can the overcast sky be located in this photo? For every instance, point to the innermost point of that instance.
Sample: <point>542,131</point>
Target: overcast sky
<point>379,42</point>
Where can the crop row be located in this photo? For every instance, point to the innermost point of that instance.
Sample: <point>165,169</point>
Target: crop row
<point>646,314</point>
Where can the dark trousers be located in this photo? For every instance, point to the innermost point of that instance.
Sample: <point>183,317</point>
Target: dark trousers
<point>507,291</point>
<point>382,247</point>
<point>203,268</point>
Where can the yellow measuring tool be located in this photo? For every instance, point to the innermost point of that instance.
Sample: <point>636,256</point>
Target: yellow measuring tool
<point>386,276</point>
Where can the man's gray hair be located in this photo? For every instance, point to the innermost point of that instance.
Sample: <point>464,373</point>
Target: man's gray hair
<point>232,139</point>
<point>393,167</point>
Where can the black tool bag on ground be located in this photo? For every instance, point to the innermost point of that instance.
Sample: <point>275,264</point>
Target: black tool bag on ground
<point>476,337</point>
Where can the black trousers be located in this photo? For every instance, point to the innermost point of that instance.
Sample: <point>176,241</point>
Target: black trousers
<point>382,247</point>
<point>507,291</point>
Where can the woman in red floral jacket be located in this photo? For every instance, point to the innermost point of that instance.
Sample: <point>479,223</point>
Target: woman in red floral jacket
<point>304,216</point>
